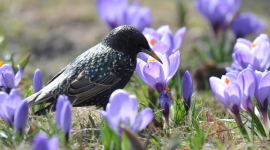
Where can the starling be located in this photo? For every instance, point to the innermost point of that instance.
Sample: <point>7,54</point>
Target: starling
<point>95,74</point>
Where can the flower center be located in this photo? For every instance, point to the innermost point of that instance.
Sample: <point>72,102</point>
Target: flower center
<point>1,63</point>
<point>253,45</point>
<point>227,80</point>
<point>152,60</point>
<point>153,42</point>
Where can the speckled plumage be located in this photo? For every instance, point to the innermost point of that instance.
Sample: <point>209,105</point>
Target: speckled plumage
<point>94,75</point>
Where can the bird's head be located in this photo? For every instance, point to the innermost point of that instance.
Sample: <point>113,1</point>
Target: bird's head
<point>129,40</point>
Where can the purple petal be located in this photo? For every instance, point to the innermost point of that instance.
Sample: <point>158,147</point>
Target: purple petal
<point>152,32</point>
<point>41,142</point>
<point>263,88</point>
<point>145,117</point>
<point>21,116</point>
<point>18,76</point>
<point>262,54</point>
<point>178,38</point>
<point>244,41</point>
<point>239,46</point>
<point>245,58</point>
<point>154,74</point>
<point>261,38</point>
<point>8,80</point>
<point>59,106</point>
<point>175,61</point>
<point>218,89</point>
<point>187,89</point>
<point>53,144</point>
<point>165,29</point>
<point>164,46</point>
<point>129,110</point>
<point>232,97</point>
<point>37,81</point>
<point>66,118</point>
<point>165,102</point>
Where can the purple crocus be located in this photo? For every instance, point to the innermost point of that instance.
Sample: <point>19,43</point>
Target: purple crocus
<point>21,117</point>
<point>37,81</point>
<point>165,99</point>
<point>256,54</point>
<point>158,75</point>
<point>219,12</point>
<point>123,108</point>
<point>262,92</point>
<point>187,90</point>
<point>162,40</point>
<point>42,142</point>
<point>8,80</point>
<point>63,115</point>
<point>228,92</point>
<point>9,104</point>
<point>116,13</point>
<point>247,23</point>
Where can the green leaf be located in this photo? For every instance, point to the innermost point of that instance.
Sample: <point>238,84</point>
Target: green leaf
<point>23,62</point>
<point>135,141</point>
<point>257,122</point>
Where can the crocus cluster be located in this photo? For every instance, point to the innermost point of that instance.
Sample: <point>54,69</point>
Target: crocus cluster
<point>159,75</point>
<point>42,142</point>
<point>123,108</point>
<point>237,91</point>
<point>247,23</point>
<point>116,13</point>
<point>256,53</point>
<point>14,110</point>
<point>63,115</point>
<point>8,79</point>
<point>219,13</point>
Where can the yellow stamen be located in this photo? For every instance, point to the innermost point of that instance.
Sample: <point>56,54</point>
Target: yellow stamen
<point>153,42</point>
<point>1,63</point>
<point>152,60</point>
<point>253,45</point>
<point>167,90</point>
<point>227,80</point>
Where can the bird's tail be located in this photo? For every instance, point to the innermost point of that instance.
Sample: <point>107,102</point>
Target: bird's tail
<point>32,99</point>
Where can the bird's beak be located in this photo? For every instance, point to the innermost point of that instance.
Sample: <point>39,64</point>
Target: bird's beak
<point>151,53</point>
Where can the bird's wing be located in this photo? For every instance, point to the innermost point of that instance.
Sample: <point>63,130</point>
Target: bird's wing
<point>88,85</point>
<point>59,73</point>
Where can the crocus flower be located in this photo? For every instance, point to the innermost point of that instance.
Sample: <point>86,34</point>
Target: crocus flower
<point>162,40</point>
<point>256,54</point>
<point>42,142</point>
<point>187,90</point>
<point>63,115</point>
<point>9,104</point>
<point>247,23</point>
<point>21,116</point>
<point>165,102</point>
<point>158,75</point>
<point>218,12</point>
<point>116,13</point>
<point>228,92</point>
<point>8,80</point>
<point>123,108</point>
<point>37,81</point>
<point>262,92</point>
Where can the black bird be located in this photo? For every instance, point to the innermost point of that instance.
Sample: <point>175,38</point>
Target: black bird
<point>95,74</point>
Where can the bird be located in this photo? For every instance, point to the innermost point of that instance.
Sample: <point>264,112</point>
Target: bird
<point>90,78</point>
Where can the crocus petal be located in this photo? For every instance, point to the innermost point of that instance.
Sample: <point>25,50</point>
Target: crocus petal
<point>66,119</point>
<point>37,81</point>
<point>263,89</point>
<point>155,76</point>
<point>244,58</point>
<point>178,38</point>
<point>21,116</point>
<point>145,117</point>
<point>175,61</point>
<point>165,102</point>
<point>8,80</point>
<point>261,38</point>
<point>129,110</point>
<point>218,89</point>
<point>53,144</point>
<point>187,89</point>
<point>18,76</point>
<point>165,29</point>
<point>59,106</point>
<point>40,142</point>
<point>233,97</point>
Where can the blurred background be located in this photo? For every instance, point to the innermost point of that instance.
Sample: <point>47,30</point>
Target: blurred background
<point>56,32</point>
